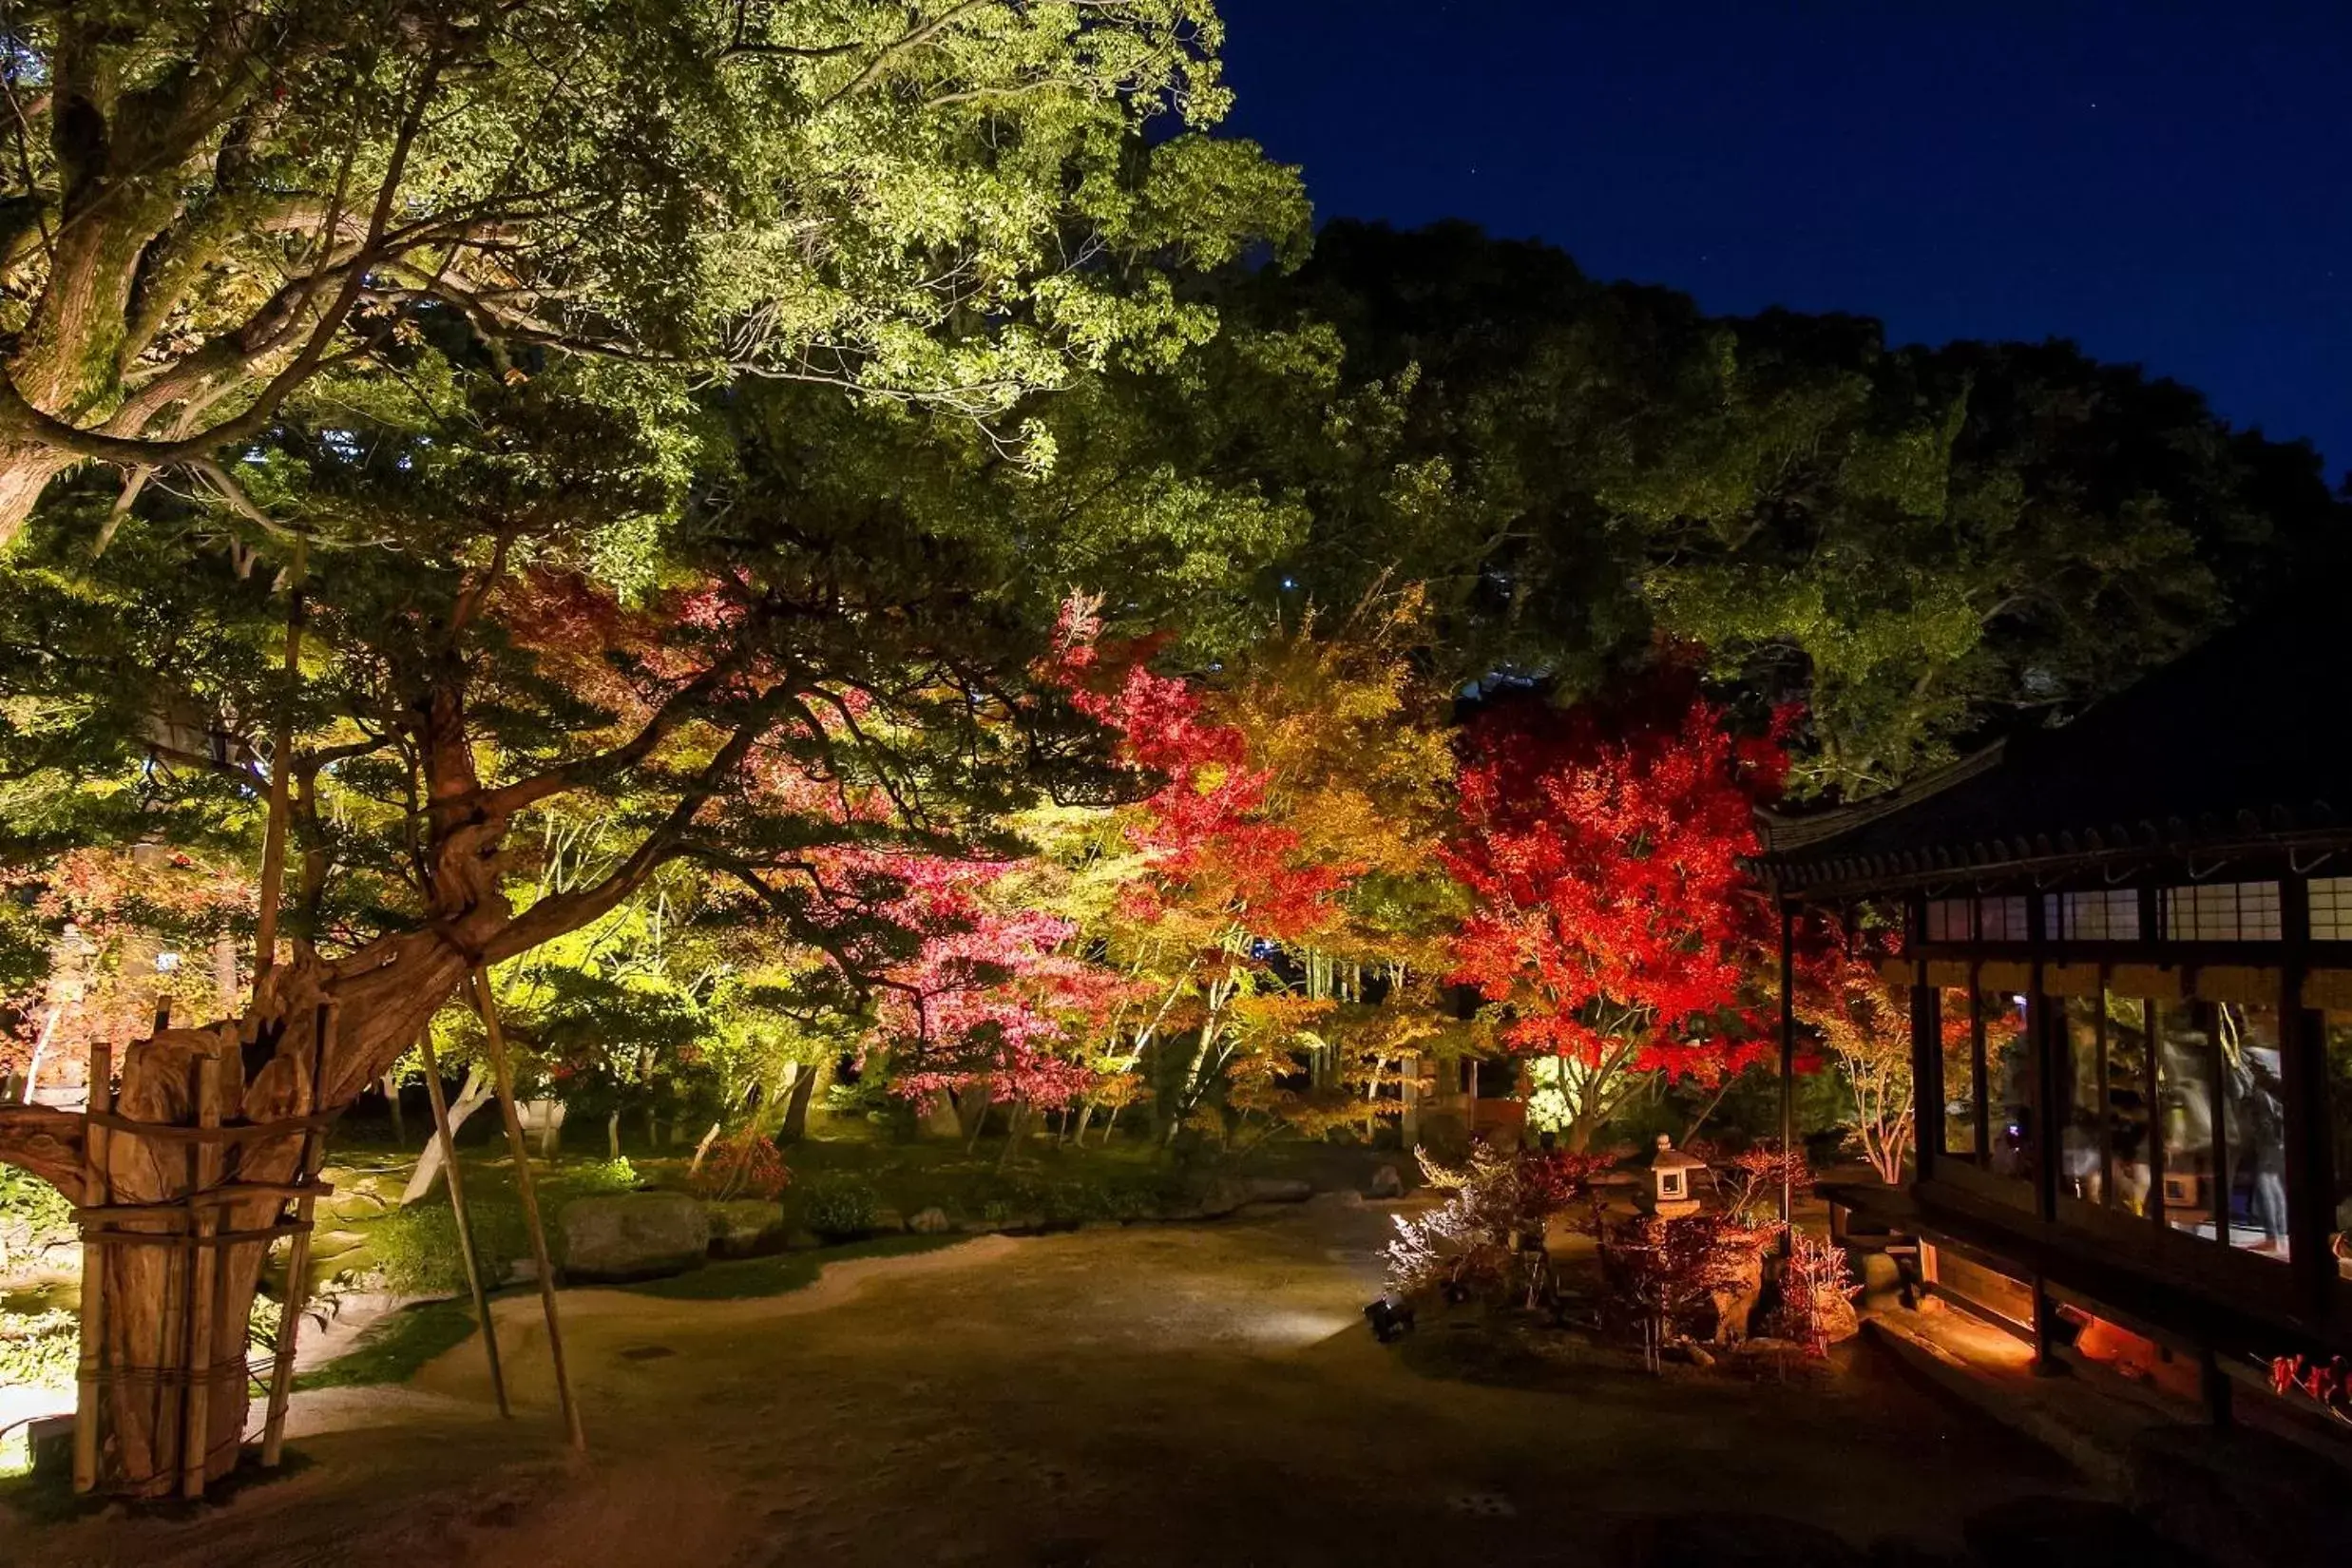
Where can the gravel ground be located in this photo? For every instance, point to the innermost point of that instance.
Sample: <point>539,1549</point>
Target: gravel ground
<point>1127,1398</point>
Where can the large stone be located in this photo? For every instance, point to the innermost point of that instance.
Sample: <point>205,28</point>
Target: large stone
<point>742,1227</point>
<point>1278,1190</point>
<point>1735,1302</point>
<point>633,1236</point>
<point>930,1222</point>
<point>1387,1182</point>
<point>1838,1320</point>
<point>1882,1281</point>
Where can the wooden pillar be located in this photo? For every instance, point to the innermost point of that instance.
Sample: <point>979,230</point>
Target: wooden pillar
<point>1787,1067</point>
<point>1926,1060</point>
<point>2046,1362</point>
<point>2213,1384</point>
<point>2045,1037</point>
<point>504,1078</point>
<point>2310,1140</point>
<point>90,1392</point>
<point>203,1279</point>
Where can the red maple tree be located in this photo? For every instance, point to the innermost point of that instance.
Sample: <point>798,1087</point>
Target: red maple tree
<point>1615,929</point>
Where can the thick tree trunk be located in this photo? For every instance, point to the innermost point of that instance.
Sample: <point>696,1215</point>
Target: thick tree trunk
<point>147,1318</point>
<point>379,999</point>
<point>797,1105</point>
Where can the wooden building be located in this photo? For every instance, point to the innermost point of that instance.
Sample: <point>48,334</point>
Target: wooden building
<point>2129,955</point>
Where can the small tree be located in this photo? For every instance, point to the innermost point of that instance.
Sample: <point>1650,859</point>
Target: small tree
<point>1865,1028</point>
<point>1613,929</point>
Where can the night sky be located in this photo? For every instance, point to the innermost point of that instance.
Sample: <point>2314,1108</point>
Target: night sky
<point>2168,183</point>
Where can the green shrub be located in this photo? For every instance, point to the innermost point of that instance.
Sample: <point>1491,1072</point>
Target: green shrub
<point>39,1349</point>
<point>840,1207</point>
<point>604,1175</point>
<point>416,1248</point>
<point>33,1215</point>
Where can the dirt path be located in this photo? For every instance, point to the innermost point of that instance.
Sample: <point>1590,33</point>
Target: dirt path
<point>1126,1398</point>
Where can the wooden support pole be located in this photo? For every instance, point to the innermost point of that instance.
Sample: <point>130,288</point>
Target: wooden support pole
<point>273,833</point>
<point>448,1140</point>
<point>298,1253</point>
<point>170,1329</point>
<point>90,1391</point>
<point>504,1078</point>
<point>203,1271</point>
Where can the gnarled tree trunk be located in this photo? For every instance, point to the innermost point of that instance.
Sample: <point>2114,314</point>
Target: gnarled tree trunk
<point>378,997</point>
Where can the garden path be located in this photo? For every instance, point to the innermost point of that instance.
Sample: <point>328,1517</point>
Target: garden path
<point>1139,1397</point>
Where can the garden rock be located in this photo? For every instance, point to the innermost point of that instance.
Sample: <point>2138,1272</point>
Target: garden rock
<point>744,1226</point>
<point>333,1244</point>
<point>633,1236</point>
<point>1838,1320</point>
<point>930,1222</point>
<point>1223,1197</point>
<point>1735,1303</point>
<point>1881,1280</point>
<point>1387,1182</point>
<point>1276,1190</point>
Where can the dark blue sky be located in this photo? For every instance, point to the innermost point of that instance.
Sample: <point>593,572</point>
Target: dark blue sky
<point>2169,184</point>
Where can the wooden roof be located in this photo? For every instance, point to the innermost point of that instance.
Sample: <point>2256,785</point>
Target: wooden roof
<point>2244,744</point>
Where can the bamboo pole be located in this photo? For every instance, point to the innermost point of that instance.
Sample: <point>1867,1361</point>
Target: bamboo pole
<point>448,1140</point>
<point>298,1253</point>
<point>274,835</point>
<point>204,1219</point>
<point>90,1392</point>
<point>170,1398</point>
<point>504,1081</point>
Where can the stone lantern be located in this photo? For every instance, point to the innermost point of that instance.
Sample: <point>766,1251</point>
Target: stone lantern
<point>1669,1192</point>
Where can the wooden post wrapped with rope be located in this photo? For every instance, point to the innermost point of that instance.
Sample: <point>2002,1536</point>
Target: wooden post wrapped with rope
<point>89,1391</point>
<point>203,1276</point>
<point>182,1370</point>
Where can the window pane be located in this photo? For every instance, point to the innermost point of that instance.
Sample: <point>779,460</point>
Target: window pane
<point>2001,919</point>
<point>2185,1101</point>
<point>2009,1079</point>
<point>2331,909</point>
<point>1960,1074</point>
<point>2108,914</point>
<point>2222,912</point>
<point>1947,919</point>
<point>2254,1127</point>
<point>2082,1161</point>
<point>2127,1103</point>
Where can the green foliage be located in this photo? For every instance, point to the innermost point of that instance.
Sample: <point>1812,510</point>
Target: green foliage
<point>33,1215</point>
<point>39,1349</point>
<point>416,1251</point>
<point>605,1175</point>
<point>1925,546</point>
<point>393,1348</point>
<point>840,1206</point>
<point>948,210</point>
